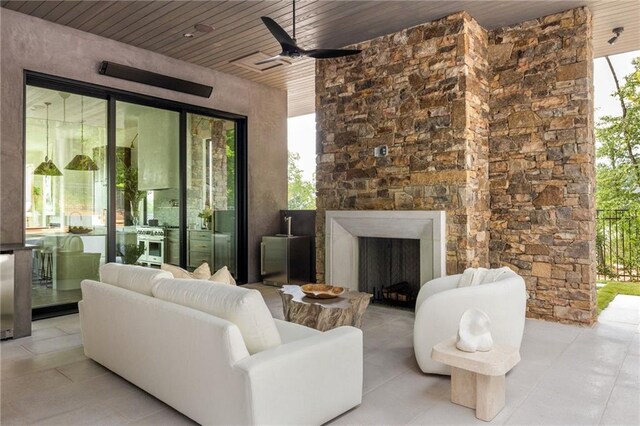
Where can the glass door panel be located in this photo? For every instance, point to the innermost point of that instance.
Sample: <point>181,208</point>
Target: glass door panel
<point>147,185</point>
<point>211,192</point>
<point>66,192</point>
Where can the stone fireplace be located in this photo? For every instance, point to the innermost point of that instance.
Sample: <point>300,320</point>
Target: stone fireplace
<point>493,127</point>
<point>345,227</point>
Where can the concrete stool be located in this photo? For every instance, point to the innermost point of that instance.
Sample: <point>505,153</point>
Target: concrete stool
<point>477,378</point>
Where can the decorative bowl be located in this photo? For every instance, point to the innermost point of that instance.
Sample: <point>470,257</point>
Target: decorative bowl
<point>79,230</point>
<point>321,291</point>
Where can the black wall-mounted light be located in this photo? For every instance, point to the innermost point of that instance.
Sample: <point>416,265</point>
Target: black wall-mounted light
<point>617,31</point>
<point>153,79</point>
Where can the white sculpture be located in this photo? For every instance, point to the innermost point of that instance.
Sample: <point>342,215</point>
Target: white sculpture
<point>474,332</point>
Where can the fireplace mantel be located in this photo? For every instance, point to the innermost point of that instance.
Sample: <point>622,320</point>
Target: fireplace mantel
<point>343,227</point>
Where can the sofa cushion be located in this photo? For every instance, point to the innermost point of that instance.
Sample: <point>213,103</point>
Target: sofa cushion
<point>131,277</point>
<point>202,272</point>
<point>223,275</point>
<point>243,307</point>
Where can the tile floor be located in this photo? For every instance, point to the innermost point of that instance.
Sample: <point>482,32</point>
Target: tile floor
<point>568,375</point>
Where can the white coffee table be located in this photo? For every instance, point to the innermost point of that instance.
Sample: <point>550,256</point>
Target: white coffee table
<point>477,378</point>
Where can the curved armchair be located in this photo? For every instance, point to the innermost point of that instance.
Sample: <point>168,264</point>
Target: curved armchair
<point>441,303</point>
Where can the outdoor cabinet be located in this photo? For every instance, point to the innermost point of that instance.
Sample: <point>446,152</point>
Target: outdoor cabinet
<point>285,260</point>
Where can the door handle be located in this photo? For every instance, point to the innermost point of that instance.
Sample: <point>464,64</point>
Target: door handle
<point>262,271</point>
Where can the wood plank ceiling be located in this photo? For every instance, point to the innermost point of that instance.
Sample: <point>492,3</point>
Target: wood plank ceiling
<point>238,31</point>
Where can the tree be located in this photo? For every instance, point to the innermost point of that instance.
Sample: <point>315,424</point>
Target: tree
<point>618,171</point>
<point>618,181</point>
<point>302,193</point>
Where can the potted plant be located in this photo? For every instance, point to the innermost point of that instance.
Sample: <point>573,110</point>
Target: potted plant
<point>127,181</point>
<point>130,253</point>
<point>207,217</point>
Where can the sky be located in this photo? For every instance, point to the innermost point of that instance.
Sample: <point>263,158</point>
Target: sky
<point>604,86</point>
<point>302,129</point>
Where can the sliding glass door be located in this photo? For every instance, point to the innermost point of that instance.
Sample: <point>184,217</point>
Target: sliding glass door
<point>116,177</point>
<point>211,192</point>
<point>66,192</point>
<point>147,185</point>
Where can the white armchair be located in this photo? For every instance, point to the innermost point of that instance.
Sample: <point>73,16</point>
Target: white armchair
<point>441,303</point>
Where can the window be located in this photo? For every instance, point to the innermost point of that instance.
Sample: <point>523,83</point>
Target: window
<point>174,173</point>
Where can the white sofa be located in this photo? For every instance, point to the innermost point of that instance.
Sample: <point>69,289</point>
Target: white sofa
<point>199,363</point>
<point>441,303</point>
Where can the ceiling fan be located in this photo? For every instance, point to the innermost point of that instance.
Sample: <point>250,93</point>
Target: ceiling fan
<point>290,48</point>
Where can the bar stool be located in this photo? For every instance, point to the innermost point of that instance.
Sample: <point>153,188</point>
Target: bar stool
<point>47,263</point>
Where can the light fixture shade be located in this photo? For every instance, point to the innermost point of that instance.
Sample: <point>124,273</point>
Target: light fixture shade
<point>47,168</point>
<point>82,162</point>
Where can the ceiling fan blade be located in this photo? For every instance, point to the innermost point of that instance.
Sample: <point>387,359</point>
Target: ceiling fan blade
<point>276,30</point>
<point>266,61</point>
<point>330,53</point>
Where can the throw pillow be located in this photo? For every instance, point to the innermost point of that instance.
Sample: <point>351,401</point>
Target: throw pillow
<point>472,277</point>
<point>202,272</point>
<point>176,271</point>
<point>223,275</point>
<point>243,307</point>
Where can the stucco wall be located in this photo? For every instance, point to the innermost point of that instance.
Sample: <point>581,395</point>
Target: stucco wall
<point>29,43</point>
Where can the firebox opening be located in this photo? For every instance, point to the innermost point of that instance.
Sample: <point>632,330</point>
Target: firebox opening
<point>389,268</point>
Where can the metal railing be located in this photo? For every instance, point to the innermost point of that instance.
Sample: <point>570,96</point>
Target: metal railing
<point>618,245</point>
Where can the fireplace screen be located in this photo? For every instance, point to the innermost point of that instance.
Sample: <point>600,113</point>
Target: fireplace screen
<point>389,268</point>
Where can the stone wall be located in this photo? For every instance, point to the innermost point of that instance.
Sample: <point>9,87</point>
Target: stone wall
<point>494,128</point>
<point>542,162</point>
<point>415,91</point>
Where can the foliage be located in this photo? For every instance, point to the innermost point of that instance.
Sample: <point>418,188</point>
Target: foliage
<point>130,253</point>
<point>618,171</point>
<point>207,215</point>
<point>618,181</point>
<point>127,180</point>
<point>607,293</point>
<point>36,193</point>
<point>302,193</point>
<point>231,168</point>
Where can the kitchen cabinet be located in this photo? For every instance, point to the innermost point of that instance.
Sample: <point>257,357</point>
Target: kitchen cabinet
<point>210,247</point>
<point>172,246</point>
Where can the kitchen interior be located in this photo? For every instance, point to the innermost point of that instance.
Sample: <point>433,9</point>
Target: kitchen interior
<point>67,195</point>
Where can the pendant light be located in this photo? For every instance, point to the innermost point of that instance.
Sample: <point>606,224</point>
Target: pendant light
<point>82,162</point>
<point>47,168</point>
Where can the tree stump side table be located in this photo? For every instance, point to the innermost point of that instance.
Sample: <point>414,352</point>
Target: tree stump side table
<point>477,378</point>
<point>323,314</point>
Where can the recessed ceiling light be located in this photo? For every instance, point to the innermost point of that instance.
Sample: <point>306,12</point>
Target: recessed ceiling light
<point>188,35</point>
<point>203,28</point>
